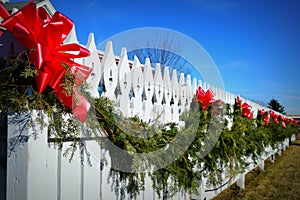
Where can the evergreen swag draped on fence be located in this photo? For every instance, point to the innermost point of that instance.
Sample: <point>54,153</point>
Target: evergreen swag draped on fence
<point>246,137</point>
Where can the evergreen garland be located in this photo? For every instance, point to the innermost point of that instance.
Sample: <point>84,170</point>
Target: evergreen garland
<point>246,137</point>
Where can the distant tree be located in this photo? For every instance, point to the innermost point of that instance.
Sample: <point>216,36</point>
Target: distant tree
<point>165,50</point>
<point>276,106</point>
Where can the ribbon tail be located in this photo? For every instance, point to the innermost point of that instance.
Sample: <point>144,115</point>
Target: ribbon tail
<point>80,111</point>
<point>42,80</point>
<point>81,73</point>
<point>3,12</point>
<point>73,51</point>
<point>76,101</point>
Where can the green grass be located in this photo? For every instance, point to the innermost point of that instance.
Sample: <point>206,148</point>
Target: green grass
<point>279,180</point>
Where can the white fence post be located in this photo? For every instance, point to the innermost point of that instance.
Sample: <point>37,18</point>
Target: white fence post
<point>110,72</point>
<point>17,154</point>
<point>30,162</point>
<point>36,169</point>
<point>167,95</point>
<point>93,61</point>
<point>241,181</point>
<point>175,97</point>
<point>148,88</point>
<point>137,84</point>
<point>125,82</point>
<point>158,94</point>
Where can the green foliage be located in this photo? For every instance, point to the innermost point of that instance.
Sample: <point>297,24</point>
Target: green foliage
<point>231,143</point>
<point>19,95</point>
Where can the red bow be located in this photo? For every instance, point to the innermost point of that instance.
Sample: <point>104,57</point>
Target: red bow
<point>283,120</point>
<point>265,116</point>
<point>294,121</point>
<point>206,98</point>
<point>44,36</point>
<point>283,124</point>
<point>274,116</point>
<point>246,110</point>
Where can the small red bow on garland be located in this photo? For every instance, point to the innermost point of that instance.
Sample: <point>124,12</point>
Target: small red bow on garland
<point>44,36</point>
<point>265,116</point>
<point>246,108</point>
<point>206,98</point>
<point>274,116</point>
<point>283,120</point>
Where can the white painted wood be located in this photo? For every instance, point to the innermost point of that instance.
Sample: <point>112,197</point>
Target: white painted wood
<point>175,97</point>
<point>70,175</point>
<point>167,97</point>
<point>241,181</point>
<point>110,72</point>
<point>189,92</point>
<point>195,86</point>
<point>182,93</point>
<point>148,88</point>
<point>17,158</point>
<point>93,61</point>
<point>158,92</point>
<point>137,84</point>
<point>42,164</point>
<point>91,172</point>
<point>37,169</point>
<point>125,81</point>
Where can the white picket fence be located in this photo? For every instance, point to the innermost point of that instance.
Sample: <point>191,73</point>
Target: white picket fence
<point>138,89</point>
<point>36,168</point>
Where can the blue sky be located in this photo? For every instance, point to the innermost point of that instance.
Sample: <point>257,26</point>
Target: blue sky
<point>255,44</point>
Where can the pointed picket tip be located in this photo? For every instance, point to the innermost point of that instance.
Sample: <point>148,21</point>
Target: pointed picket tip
<point>204,86</point>
<point>14,10</point>
<point>194,86</point>
<point>124,53</point>
<point>188,80</point>
<point>136,63</point>
<point>72,37</point>
<point>137,73</point>
<point>91,42</point>
<point>167,76</point>
<point>181,79</point>
<point>109,57</point>
<point>200,83</point>
<point>217,93</point>
<point>147,62</point>
<point>208,86</point>
<point>148,71</point>
<point>213,88</point>
<point>174,77</point>
<point>109,48</point>
<point>158,76</point>
<point>123,65</point>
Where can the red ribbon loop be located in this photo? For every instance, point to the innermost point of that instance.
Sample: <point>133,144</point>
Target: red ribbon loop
<point>206,98</point>
<point>245,108</point>
<point>3,12</point>
<point>265,116</point>
<point>274,116</point>
<point>44,35</point>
